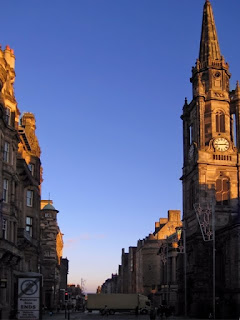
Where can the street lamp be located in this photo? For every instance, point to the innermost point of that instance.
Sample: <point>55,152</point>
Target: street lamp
<point>164,257</point>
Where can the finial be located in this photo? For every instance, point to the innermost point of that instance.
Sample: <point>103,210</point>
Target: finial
<point>49,198</point>
<point>7,47</point>
<point>237,90</point>
<point>186,100</point>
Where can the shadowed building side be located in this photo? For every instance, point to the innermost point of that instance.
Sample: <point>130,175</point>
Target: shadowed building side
<point>51,242</point>
<point>211,175</point>
<point>20,176</point>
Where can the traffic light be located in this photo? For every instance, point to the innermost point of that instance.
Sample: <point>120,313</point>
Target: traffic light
<point>66,296</point>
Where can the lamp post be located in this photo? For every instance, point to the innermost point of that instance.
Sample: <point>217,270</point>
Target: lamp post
<point>206,220</point>
<point>177,242</point>
<point>162,255</point>
<point>185,268</point>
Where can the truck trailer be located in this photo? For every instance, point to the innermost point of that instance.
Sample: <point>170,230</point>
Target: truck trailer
<point>118,302</point>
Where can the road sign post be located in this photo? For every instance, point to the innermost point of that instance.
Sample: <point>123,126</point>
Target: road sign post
<point>29,298</point>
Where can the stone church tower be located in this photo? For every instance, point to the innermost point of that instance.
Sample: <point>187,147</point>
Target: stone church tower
<point>211,176</point>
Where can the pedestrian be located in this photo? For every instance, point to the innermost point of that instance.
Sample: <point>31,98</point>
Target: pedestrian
<point>167,311</point>
<point>153,313</point>
<point>105,311</point>
<point>136,310</point>
<point>160,311</point>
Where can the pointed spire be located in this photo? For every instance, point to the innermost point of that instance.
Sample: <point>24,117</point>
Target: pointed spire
<point>237,90</point>
<point>209,46</point>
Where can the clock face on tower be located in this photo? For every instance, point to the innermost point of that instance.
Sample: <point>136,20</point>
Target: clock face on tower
<point>221,144</point>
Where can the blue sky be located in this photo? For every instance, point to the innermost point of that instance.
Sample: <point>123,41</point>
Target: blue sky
<point>106,80</point>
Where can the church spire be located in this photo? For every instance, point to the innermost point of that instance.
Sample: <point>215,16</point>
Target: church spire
<point>209,46</point>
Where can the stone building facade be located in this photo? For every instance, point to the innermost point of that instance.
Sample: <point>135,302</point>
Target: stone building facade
<point>155,268</point>
<point>51,243</point>
<point>110,285</point>
<point>124,275</point>
<point>145,269</point>
<point>20,176</point>
<point>211,131</point>
<point>20,188</point>
<point>132,269</point>
<point>63,273</point>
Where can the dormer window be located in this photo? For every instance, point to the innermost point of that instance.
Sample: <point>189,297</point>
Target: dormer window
<point>8,116</point>
<point>31,168</point>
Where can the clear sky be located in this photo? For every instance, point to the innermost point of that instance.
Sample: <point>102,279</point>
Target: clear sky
<point>106,80</point>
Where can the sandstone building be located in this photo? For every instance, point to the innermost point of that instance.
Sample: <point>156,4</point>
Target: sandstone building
<point>51,244</point>
<point>20,176</point>
<point>145,269</point>
<point>211,131</point>
<point>156,261</point>
<point>20,189</point>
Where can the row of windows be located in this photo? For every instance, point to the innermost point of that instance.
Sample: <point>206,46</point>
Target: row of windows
<point>222,192</point>
<point>6,157</point>
<point>5,196</point>
<point>28,227</point>
<point>222,157</point>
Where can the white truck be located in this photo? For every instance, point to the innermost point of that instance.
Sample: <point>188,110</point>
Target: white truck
<point>118,302</point>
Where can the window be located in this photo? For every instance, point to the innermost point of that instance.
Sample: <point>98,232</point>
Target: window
<point>29,198</point>
<point>31,168</point>
<point>6,152</point>
<point>207,124</point>
<point>8,115</point>
<point>29,225</point>
<point>222,191</point>
<point>4,228</point>
<point>220,121</point>
<point>190,134</point>
<point>5,190</point>
<point>48,215</point>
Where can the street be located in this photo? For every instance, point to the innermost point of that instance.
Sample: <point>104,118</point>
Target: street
<point>98,316</point>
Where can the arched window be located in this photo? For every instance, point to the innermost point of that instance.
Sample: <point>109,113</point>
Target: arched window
<point>222,190</point>
<point>220,121</point>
